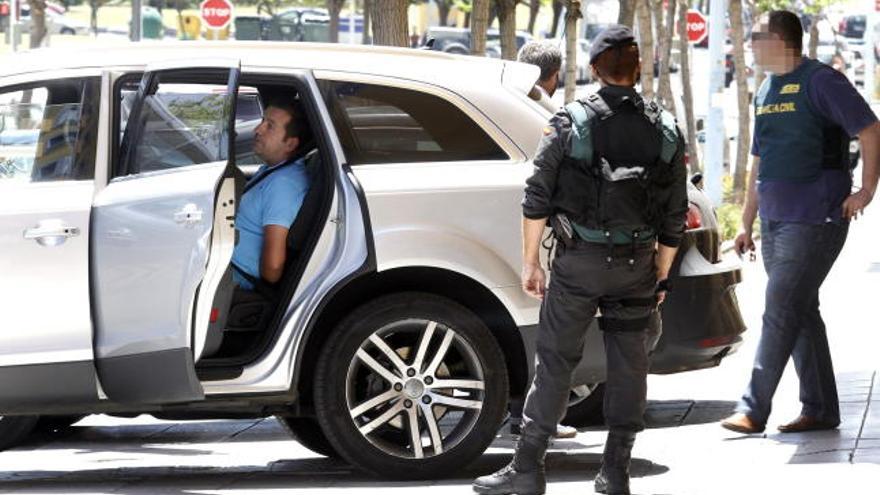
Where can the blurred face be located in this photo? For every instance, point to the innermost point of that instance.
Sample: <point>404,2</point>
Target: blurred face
<point>271,143</point>
<point>771,53</point>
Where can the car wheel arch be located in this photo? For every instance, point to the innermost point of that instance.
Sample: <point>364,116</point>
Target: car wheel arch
<point>436,281</point>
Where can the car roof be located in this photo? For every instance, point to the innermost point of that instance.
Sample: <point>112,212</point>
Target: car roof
<point>444,69</point>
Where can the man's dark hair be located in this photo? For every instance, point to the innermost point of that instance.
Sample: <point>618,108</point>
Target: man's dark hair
<point>544,54</point>
<point>788,27</point>
<point>618,63</point>
<point>298,126</point>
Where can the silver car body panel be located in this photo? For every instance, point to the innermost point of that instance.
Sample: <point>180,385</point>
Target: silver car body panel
<point>44,282</point>
<point>148,265</point>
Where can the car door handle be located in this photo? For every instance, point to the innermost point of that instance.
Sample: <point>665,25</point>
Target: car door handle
<point>51,232</point>
<point>189,215</point>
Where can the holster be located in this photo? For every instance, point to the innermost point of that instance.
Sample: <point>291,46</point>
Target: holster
<point>562,229</point>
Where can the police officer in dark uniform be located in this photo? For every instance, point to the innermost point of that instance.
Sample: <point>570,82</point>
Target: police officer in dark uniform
<point>610,178</point>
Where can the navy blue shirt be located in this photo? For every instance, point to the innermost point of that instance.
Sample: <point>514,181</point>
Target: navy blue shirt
<point>834,97</point>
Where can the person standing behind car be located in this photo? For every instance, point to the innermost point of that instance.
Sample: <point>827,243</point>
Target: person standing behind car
<point>610,175</point>
<point>547,56</point>
<point>801,183</point>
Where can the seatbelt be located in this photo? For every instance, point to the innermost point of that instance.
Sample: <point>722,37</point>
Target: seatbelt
<point>259,178</point>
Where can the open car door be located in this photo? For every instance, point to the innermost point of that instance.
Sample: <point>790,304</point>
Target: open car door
<point>164,231</point>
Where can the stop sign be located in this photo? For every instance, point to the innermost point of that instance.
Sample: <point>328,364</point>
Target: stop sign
<point>217,14</point>
<point>697,26</point>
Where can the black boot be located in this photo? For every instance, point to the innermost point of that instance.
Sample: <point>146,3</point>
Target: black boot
<point>613,477</point>
<point>523,476</point>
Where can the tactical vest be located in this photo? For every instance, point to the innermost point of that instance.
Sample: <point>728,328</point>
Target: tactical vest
<point>599,195</point>
<point>795,142</point>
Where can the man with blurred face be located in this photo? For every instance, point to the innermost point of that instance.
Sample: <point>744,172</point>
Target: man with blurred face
<point>801,184</point>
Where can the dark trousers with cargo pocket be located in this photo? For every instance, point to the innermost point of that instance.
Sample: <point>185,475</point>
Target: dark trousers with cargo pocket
<point>582,281</point>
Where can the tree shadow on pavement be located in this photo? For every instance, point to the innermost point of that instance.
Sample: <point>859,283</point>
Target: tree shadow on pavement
<point>306,473</point>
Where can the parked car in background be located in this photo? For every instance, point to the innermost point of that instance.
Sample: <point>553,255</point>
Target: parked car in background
<point>583,74</point>
<point>399,331</point>
<point>458,40</point>
<point>56,22</point>
<point>853,28</point>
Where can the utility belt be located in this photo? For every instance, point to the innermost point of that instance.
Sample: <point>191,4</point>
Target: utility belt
<point>618,243</point>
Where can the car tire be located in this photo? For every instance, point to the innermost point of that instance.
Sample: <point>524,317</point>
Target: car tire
<point>68,31</point>
<point>456,49</point>
<point>14,429</point>
<point>374,391</point>
<point>308,433</point>
<point>586,410</point>
<point>57,423</point>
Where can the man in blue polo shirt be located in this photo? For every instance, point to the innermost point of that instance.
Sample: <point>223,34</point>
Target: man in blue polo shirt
<point>801,183</point>
<point>272,197</point>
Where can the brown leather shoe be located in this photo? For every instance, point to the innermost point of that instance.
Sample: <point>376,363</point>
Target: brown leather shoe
<point>806,423</point>
<point>741,423</point>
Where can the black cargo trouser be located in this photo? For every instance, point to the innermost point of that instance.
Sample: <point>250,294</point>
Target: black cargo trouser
<point>583,280</point>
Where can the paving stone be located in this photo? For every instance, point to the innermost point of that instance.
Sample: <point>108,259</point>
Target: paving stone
<point>836,456</point>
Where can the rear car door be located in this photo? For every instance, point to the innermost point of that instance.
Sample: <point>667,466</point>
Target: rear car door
<point>157,227</point>
<point>47,164</point>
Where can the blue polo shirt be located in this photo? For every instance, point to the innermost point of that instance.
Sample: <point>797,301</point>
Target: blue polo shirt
<point>831,96</point>
<point>275,200</point>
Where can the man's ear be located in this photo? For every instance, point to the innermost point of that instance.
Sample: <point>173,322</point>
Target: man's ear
<point>292,144</point>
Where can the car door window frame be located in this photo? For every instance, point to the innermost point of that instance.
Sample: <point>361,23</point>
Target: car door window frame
<point>501,139</point>
<point>121,162</point>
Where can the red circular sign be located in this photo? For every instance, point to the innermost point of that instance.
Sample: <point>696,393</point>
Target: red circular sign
<point>697,26</point>
<point>216,14</point>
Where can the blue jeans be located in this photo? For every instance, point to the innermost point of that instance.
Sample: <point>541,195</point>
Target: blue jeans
<point>797,258</point>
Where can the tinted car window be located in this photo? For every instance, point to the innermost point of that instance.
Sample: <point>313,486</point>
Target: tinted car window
<point>181,125</point>
<point>382,124</point>
<point>47,133</point>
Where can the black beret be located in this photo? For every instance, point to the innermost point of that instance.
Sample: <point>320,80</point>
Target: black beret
<point>611,37</point>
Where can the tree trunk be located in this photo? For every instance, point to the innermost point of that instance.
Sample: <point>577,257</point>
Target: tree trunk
<point>507,28</point>
<point>38,22</point>
<point>333,7</point>
<point>557,14</point>
<point>814,36</point>
<point>390,23</point>
<point>93,16</point>
<point>742,96</point>
<point>664,33</point>
<point>443,8</point>
<point>479,26</point>
<point>365,37</point>
<point>688,96</point>
<point>627,13</point>
<point>573,13</point>
<point>534,8</point>
<point>646,47</point>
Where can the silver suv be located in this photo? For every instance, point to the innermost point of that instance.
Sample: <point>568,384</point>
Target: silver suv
<point>398,335</point>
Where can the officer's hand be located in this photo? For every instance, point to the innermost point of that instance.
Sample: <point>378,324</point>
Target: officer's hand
<point>855,204</point>
<point>661,296</point>
<point>534,280</point>
<point>743,243</point>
